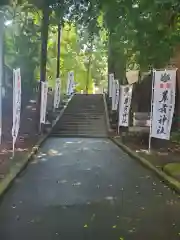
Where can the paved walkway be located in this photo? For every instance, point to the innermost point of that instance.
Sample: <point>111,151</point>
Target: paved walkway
<point>88,189</point>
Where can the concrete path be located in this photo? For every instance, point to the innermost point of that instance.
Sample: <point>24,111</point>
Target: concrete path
<point>88,189</point>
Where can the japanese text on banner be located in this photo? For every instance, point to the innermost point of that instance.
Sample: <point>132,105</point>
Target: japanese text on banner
<point>125,104</point>
<point>111,79</point>
<point>16,102</point>
<point>57,93</point>
<point>115,94</point>
<point>44,91</point>
<point>163,103</point>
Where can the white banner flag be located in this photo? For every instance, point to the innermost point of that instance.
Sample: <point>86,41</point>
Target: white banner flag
<point>111,79</point>
<point>70,83</point>
<point>16,103</point>
<point>125,104</point>
<point>57,93</point>
<point>44,91</point>
<point>163,103</point>
<point>115,94</point>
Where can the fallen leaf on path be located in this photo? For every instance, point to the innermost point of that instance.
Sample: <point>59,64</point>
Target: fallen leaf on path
<point>109,198</point>
<point>171,202</point>
<point>76,184</point>
<point>132,230</point>
<point>52,152</point>
<point>63,181</point>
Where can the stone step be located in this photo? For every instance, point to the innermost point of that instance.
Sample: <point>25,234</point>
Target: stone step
<point>85,134</point>
<point>84,116</point>
<point>77,115</point>
<point>79,128</point>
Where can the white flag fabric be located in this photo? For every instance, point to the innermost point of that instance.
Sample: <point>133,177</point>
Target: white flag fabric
<point>57,93</point>
<point>115,95</point>
<point>111,79</point>
<point>132,76</point>
<point>16,103</point>
<point>70,83</point>
<point>44,91</point>
<point>163,103</point>
<point>125,104</point>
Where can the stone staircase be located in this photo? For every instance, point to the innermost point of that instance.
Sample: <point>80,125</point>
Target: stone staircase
<point>84,117</point>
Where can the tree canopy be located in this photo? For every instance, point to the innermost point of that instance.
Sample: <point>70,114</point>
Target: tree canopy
<point>126,34</point>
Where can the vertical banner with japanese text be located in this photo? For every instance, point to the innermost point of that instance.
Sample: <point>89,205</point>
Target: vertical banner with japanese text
<point>115,94</point>
<point>111,79</point>
<point>44,91</point>
<point>125,104</point>
<point>16,103</point>
<point>163,103</point>
<point>70,83</point>
<point>57,93</point>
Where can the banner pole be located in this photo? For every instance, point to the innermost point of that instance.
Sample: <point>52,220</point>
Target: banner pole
<point>119,107</point>
<point>13,148</point>
<point>151,115</point>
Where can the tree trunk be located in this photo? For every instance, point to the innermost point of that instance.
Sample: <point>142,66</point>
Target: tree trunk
<point>58,51</point>
<point>116,61</point>
<point>44,41</point>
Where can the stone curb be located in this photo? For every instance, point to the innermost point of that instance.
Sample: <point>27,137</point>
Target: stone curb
<point>19,167</point>
<point>170,181</point>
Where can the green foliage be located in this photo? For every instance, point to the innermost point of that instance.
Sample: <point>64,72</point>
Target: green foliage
<point>74,56</point>
<point>144,33</point>
<point>22,42</point>
<point>135,34</point>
